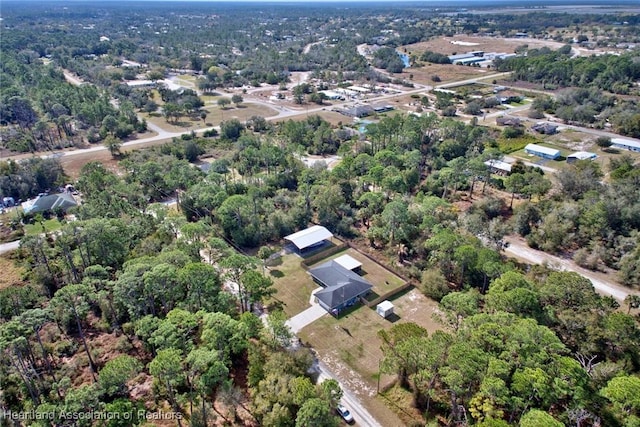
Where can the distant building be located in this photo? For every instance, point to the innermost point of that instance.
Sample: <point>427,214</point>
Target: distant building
<point>460,56</point>
<point>541,151</point>
<point>359,111</point>
<point>545,128</point>
<point>383,108</point>
<point>49,203</point>
<point>580,155</point>
<point>142,84</point>
<point>626,144</point>
<point>508,121</point>
<point>499,167</point>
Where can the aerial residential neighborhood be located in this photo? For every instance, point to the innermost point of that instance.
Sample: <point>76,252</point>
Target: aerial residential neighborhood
<point>317,214</point>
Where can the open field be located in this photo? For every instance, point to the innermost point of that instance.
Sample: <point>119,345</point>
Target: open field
<point>215,115</point>
<point>36,228</point>
<point>446,72</point>
<point>461,44</point>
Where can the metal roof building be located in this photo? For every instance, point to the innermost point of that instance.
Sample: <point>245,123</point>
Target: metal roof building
<point>309,237</point>
<point>581,155</point>
<point>541,151</point>
<point>498,166</point>
<point>348,262</point>
<point>626,144</point>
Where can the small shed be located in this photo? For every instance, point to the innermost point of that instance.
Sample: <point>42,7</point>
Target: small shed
<point>385,308</point>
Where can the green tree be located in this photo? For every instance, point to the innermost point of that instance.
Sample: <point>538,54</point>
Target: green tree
<point>316,412</point>
<point>113,144</point>
<point>167,369</point>
<point>624,393</point>
<point>237,99</point>
<point>603,142</point>
<point>72,304</point>
<point>538,418</point>
<point>115,374</point>
<point>224,102</point>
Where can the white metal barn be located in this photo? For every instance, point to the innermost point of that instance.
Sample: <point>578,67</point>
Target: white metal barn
<point>309,237</point>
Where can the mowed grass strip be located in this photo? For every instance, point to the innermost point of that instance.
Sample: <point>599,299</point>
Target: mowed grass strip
<point>293,285</point>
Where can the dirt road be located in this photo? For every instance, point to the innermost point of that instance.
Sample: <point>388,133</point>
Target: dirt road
<point>604,283</point>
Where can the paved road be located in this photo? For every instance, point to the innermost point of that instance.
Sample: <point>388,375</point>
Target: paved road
<point>602,282</point>
<point>360,414</point>
<point>283,112</point>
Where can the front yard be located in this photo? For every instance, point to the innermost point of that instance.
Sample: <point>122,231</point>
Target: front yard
<point>349,345</point>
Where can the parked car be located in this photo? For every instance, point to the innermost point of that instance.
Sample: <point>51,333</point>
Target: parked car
<point>345,414</point>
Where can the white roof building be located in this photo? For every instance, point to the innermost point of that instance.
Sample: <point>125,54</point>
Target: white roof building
<point>581,155</point>
<point>385,308</point>
<point>542,151</point>
<point>499,165</point>
<point>348,262</point>
<point>309,237</point>
<point>627,144</point>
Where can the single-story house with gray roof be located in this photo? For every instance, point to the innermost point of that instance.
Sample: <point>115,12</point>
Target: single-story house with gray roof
<point>342,287</point>
<point>50,202</point>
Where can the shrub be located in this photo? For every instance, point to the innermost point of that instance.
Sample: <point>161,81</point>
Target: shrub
<point>434,285</point>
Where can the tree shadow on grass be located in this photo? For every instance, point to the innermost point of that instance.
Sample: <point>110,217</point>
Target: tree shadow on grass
<point>276,273</point>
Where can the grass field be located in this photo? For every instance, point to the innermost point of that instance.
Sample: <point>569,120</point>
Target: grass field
<point>36,228</point>
<point>215,115</point>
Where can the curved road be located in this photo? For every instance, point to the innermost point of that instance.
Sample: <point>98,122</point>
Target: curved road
<point>602,282</point>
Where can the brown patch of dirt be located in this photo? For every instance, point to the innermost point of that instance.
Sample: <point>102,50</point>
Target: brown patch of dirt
<point>72,165</point>
<point>11,274</point>
<point>446,72</point>
<point>141,388</point>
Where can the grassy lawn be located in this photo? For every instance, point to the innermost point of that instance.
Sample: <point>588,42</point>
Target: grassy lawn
<point>36,228</point>
<point>293,284</point>
<point>215,115</point>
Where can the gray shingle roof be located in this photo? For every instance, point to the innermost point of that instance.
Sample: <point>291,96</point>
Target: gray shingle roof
<point>341,284</point>
<point>50,203</point>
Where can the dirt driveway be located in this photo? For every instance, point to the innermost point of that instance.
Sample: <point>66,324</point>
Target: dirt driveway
<point>604,283</point>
